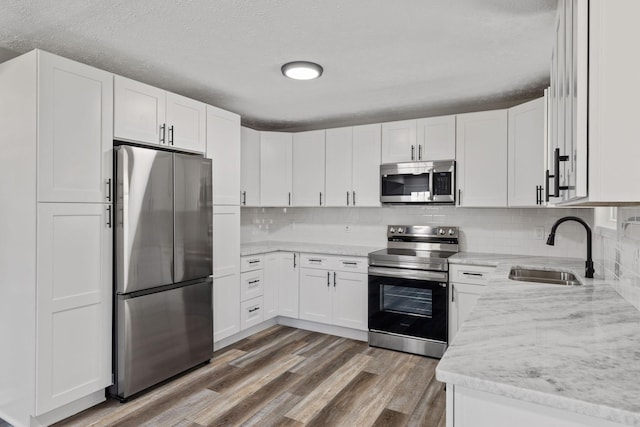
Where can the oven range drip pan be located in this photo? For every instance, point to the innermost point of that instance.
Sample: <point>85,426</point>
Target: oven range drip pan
<point>407,344</point>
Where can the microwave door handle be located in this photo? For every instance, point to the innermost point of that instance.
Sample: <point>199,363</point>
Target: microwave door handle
<point>431,192</point>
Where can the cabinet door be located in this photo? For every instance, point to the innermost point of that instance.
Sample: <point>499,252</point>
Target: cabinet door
<point>226,306</point>
<point>308,168</point>
<point>226,241</point>
<point>276,158</point>
<point>223,148</point>
<point>250,167</point>
<point>399,142</point>
<point>526,152</point>
<point>288,290</point>
<point>73,303</point>
<point>366,165</point>
<point>139,112</point>
<point>270,285</point>
<point>437,138</point>
<point>251,313</point>
<point>338,168</point>
<point>350,300</point>
<point>481,153</point>
<point>463,299</point>
<point>316,289</point>
<point>186,123</point>
<point>75,131</point>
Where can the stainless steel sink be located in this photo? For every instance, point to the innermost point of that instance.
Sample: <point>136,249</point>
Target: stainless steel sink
<point>544,276</point>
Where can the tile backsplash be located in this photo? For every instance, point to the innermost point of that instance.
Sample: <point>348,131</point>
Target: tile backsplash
<point>500,230</point>
<point>617,254</point>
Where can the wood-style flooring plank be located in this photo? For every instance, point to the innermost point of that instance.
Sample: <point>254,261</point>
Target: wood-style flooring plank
<point>283,376</point>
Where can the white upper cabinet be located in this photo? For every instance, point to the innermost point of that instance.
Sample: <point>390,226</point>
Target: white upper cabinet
<point>399,143</point>
<point>436,138</point>
<point>308,168</point>
<point>353,166</point>
<point>526,153</point>
<point>481,154</point>
<point>366,165</point>
<point>339,166</point>
<point>249,167</point>
<point>276,156</point>
<point>223,147</point>
<point>75,124</point>
<point>186,123</point>
<point>146,114</point>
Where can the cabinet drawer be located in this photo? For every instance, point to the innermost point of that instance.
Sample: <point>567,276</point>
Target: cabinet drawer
<point>315,261</point>
<point>251,284</point>
<point>352,264</point>
<point>473,274</point>
<point>250,263</point>
<point>251,312</point>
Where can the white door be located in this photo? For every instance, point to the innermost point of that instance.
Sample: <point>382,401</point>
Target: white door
<point>350,300</point>
<point>73,303</point>
<point>338,166</point>
<point>226,306</point>
<point>249,167</point>
<point>308,168</point>
<point>139,112</point>
<point>481,154</point>
<point>316,292</point>
<point>186,123</point>
<point>288,290</point>
<point>271,279</point>
<point>437,138</point>
<point>526,153</point>
<point>366,165</point>
<point>226,241</point>
<point>75,131</point>
<point>276,158</point>
<point>223,147</point>
<point>463,299</point>
<point>399,141</point>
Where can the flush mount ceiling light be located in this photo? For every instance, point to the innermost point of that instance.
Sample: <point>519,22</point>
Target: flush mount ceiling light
<point>302,70</point>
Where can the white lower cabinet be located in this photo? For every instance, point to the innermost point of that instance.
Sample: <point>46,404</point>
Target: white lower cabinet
<point>288,284</point>
<point>226,271</point>
<point>467,284</point>
<point>333,290</point>
<point>252,312</point>
<point>226,307</point>
<point>271,276</point>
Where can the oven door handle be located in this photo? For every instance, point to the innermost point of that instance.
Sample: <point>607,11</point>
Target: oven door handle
<point>409,274</point>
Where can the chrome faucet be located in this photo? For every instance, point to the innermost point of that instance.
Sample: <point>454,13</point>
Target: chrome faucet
<point>552,236</point>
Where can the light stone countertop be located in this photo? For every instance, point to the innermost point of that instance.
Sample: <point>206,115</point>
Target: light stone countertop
<point>573,348</point>
<point>247,249</point>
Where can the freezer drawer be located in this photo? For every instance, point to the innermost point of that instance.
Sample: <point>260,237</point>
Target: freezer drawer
<point>161,334</point>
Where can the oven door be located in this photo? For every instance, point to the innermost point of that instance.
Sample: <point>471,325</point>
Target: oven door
<point>408,302</point>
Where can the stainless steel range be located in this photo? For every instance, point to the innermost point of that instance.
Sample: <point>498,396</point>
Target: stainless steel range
<point>408,289</point>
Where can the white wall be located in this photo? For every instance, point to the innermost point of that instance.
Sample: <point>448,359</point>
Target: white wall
<point>511,231</point>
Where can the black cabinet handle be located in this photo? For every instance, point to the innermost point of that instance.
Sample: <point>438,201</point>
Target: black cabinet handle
<point>253,261</point>
<point>171,133</point>
<point>251,282</point>
<point>473,274</point>
<point>354,198</point>
<point>314,260</point>
<point>413,149</point>
<point>109,216</point>
<point>419,152</point>
<point>349,263</point>
<point>328,279</point>
<point>557,158</point>
<point>347,198</point>
<point>546,187</point>
<point>334,279</point>
<point>453,293</point>
<point>244,198</point>
<point>289,198</point>
<point>251,310</point>
<point>321,198</point>
<point>294,260</point>
<point>109,190</point>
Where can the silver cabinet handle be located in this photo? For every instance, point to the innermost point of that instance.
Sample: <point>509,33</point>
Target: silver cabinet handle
<point>334,279</point>
<point>413,149</point>
<point>109,216</point>
<point>109,189</point>
<point>171,134</point>
<point>162,132</point>
<point>328,279</point>
<point>347,198</point>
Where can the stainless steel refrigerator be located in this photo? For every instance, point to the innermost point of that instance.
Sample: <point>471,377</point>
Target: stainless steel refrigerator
<point>163,313</point>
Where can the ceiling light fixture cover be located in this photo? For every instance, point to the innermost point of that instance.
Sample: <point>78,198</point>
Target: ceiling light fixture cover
<point>302,70</point>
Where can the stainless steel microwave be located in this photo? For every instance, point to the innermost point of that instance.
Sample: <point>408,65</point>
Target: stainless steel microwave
<point>418,182</point>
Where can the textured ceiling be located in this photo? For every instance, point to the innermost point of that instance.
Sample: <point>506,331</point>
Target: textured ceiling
<point>383,60</point>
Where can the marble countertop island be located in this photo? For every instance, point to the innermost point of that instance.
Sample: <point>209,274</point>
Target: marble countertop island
<point>575,348</point>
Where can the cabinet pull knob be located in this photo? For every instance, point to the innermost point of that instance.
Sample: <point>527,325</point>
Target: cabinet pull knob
<point>419,152</point>
<point>162,132</point>
<point>413,149</point>
<point>171,134</point>
<point>109,189</point>
<point>109,216</point>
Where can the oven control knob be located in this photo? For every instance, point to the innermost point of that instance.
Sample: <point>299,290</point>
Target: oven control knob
<point>451,232</point>
<point>441,231</point>
<point>392,230</point>
<point>400,230</point>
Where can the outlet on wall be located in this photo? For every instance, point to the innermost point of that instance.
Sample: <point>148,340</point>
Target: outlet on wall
<point>347,228</point>
<point>539,233</point>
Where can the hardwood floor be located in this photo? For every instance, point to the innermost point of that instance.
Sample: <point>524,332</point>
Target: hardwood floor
<point>289,377</point>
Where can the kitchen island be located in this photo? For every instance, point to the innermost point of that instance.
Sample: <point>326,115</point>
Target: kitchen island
<point>541,354</point>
